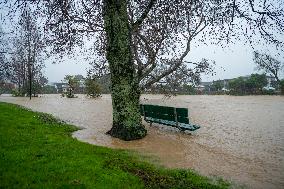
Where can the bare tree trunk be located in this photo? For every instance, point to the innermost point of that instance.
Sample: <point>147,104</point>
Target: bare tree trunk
<point>127,123</point>
<point>30,80</point>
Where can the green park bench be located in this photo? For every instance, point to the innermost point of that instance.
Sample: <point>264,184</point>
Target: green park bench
<point>175,117</point>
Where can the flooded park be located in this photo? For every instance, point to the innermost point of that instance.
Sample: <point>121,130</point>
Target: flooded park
<point>241,137</point>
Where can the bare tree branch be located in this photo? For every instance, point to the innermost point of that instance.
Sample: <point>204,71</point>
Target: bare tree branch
<point>139,21</point>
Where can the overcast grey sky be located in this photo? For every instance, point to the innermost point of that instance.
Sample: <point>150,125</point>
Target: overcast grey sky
<point>234,61</point>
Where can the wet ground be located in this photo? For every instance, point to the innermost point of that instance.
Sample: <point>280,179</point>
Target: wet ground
<point>241,138</point>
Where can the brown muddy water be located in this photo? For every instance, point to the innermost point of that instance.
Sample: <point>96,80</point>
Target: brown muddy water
<point>241,138</point>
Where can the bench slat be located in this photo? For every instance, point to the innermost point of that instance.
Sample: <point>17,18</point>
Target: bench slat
<point>182,126</point>
<point>166,116</point>
<point>183,112</point>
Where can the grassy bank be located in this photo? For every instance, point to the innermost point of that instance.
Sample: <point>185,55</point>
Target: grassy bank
<point>37,151</point>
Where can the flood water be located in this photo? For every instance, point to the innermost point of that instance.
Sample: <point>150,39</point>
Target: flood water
<point>241,138</point>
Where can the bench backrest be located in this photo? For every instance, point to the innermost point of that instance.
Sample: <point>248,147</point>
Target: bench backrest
<point>165,113</point>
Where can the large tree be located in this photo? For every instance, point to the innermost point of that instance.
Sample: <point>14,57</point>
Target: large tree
<point>145,41</point>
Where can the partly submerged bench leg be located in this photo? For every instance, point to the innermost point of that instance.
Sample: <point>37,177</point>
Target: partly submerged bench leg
<point>144,115</point>
<point>143,112</point>
<point>176,119</point>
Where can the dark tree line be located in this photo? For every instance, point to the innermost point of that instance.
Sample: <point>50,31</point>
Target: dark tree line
<point>251,85</point>
<point>143,42</point>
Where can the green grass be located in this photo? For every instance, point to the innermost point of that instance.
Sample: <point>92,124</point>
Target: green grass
<point>37,151</point>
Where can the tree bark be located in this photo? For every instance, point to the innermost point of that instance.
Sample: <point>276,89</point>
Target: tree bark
<point>127,122</point>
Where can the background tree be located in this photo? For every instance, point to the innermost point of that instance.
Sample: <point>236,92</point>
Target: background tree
<point>49,89</point>
<point>93,88</point>
<point>4,66</point>
<point>38,83</point>
<point>251,85</point>
<point>100,70</point>
<point>217,85</point>
<point>237,86</point>
<point>23,56</point>
<point>73,84</point>
<point>268,64</point>
<point>255,83</point>
<point>189,89</point>
<point>282,86</point>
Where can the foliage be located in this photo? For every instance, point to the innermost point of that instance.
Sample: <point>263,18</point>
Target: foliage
<point>237,86</point>
<point>268,92</point>
<point>252,85</point>
<point>48,89</point>
<point>105,83</point>
<point>268,64</point>
<point>93,89</point>
<point>1,88</point>
<point>37,87</point>
<point>73,84</point>
<point>217,85</point>
<point>173,83</point>
<point>255,83</point>
<point>282,86</point>
<point>37,151</point>
<point>5,87</point>
<point>17,93</point>
<point>3,66</point>
<point>188,89</point>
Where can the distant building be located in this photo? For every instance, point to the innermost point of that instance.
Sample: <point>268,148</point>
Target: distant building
<point>60,87</point>
<point>204,86</point>
<point>63,87</point>
<point>200,88</point>
<point>6,86</point>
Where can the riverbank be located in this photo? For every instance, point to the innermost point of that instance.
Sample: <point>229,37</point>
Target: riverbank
<point>37,151</point>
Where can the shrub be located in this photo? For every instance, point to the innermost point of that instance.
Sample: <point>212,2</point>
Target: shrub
<point>17,93</point>
<point>93,89</point>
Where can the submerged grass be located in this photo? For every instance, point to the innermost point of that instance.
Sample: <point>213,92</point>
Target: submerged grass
<point>37,151</point>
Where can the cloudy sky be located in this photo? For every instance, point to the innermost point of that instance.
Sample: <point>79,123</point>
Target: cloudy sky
<point>233,61</point>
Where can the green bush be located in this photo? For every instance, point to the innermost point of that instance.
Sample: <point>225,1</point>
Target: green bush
<point>69,95</point>
<point>268,92</point>
<point>48,89</point>
<point>73,84</point>
<point>17,93</point>
<point>93,88</point>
